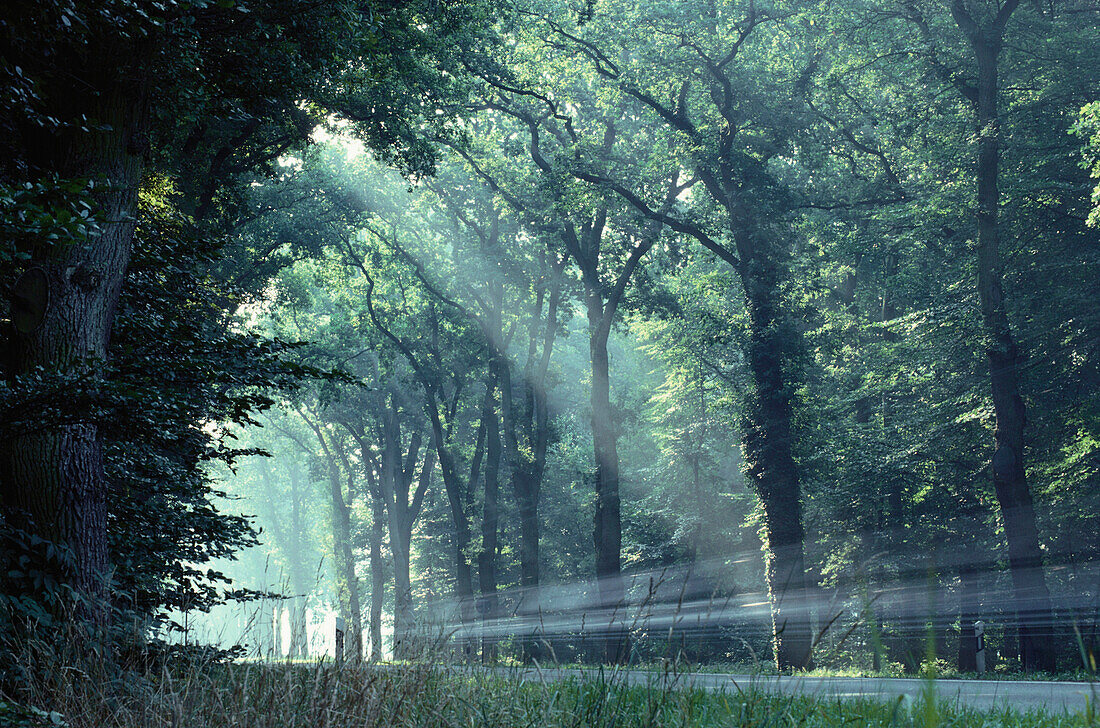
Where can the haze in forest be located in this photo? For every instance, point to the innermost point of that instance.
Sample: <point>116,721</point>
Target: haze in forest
<point>729,333</point>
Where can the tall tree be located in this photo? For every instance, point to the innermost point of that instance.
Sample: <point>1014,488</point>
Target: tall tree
<point>395,465</point>
<point>93,101</point>
<point>690,74</point>
<point>974,68</point>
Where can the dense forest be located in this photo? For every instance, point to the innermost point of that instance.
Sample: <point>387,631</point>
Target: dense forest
<point>746,332</point>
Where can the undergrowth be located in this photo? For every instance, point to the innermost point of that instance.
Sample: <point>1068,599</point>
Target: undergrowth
<point>208,694</point>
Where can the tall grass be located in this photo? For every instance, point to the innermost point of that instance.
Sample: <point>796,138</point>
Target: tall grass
<point>84,687</point>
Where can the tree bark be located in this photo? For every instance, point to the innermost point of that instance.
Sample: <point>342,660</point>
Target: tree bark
<point>767,443</point>
<point>53,477</point>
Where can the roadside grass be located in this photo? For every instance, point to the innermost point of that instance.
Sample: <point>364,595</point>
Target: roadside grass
<point>322,695</point>
<point>576,702</point>
<point>943,671</point>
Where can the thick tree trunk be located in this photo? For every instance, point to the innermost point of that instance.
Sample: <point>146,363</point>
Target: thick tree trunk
<point>526,478</point>
<point>892,506</point>
<point>767,443</point>
<point>1033,610</point>
<point>527,471</point>
<point>607,532</point>
<point>463,586</point>
<point>400,523</point>
<point>53,476</point>
<point>403,624</point>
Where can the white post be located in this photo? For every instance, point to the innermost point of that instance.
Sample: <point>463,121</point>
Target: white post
<point>979,646</point>
<point>339,640</point>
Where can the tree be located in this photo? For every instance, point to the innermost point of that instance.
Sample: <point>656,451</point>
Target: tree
<point>91,102</point>
<point>670,49</point>
<point>507,275</point>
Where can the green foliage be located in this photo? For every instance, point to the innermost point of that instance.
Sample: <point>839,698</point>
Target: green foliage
<point>31,593</point>
<point>1088,129</point>
<point>859,180</point>
<point>43,215</point>
<point>395,186</point>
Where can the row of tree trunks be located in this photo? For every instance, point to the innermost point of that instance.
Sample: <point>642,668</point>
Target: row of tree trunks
<point>455,486</point>
<point>390,474</point>
<point>758,238</point>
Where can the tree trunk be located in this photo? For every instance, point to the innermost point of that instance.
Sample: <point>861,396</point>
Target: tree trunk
<point>1033,610</point>
<point>299,642</point>
<point>378,577</point>
<point>487,558</point>
<point>607,532</point>
<point>463,587</point>
<point>527,471</point>
<point>347,583</point>
<point>396,493</point>
<point>377,568</point>
<point>53,477</point>
<point>526,478</point>
<point>767,443</point>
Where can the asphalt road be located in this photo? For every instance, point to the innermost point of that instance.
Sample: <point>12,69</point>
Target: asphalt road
<point>1054,697</point>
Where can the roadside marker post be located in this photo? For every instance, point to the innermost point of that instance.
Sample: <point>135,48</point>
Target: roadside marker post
<point>340,630</point>
<point>979,646</point>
